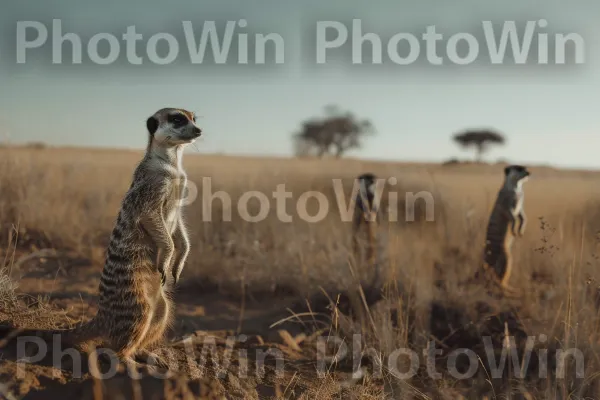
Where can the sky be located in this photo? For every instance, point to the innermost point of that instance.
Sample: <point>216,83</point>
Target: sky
<point>547,112</point>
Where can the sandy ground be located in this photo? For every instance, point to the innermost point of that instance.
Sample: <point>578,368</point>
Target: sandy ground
<point>70,284</point>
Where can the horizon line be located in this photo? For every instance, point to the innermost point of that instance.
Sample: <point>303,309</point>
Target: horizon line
<point>40,145</point>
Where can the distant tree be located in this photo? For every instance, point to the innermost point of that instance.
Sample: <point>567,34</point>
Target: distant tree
<point>479,139</point>
<point>335,134</point>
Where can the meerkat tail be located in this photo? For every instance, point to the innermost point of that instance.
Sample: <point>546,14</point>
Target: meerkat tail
<point>68,337</point>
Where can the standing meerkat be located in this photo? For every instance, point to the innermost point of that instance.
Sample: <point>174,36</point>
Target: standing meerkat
<point>365,213</point>
<point>502,226</point>
<point>148,241</point>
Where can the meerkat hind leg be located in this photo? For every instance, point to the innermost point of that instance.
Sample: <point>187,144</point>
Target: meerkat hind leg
<point>129,336</point>
<point>506,287</point>
<point>136,368</point>
<point>150,359</point>
<point>153,344</point>
<point>161,321</point>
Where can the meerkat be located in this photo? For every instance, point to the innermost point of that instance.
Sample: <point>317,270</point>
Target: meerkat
<point>364,220</point>
<point>148,241</point>
<point>507,221</point>
<point>365,213</point>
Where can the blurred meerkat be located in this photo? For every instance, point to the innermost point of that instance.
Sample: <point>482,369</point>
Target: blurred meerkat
<point>148,238</point>
<point>507,221</point>
<point>365,214</point>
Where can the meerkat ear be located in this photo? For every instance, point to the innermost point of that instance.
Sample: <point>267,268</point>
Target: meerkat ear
<point>506,171</point>
<point>152,125</point>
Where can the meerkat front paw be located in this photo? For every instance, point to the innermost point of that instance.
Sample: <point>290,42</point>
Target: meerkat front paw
<point>163,275</point>
<point>516,231</point>
<point>176,272</point>
<point>163,265</point>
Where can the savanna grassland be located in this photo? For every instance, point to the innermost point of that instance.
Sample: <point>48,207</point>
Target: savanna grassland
<point>267,279</point>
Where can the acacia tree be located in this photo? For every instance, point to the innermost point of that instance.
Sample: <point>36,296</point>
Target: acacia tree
<point>335,134</point>
<point>481,140</point>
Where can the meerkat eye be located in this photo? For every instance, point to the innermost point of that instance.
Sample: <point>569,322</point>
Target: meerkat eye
<point>177,119</point>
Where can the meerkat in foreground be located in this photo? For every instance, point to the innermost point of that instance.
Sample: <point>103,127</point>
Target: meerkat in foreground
<point>148,241</point>
<point>506,222</point>
<point>365,213</point>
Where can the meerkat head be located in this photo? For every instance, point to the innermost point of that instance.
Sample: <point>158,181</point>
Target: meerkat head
<point>516,175</point>
<point>170,127</point>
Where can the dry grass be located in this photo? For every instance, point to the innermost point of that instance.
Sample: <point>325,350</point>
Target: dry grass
<point>70,197</point>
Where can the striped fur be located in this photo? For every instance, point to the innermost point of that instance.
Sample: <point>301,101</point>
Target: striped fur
<point>148,240</point>
<point>507,220</point>
<point>365,214</point>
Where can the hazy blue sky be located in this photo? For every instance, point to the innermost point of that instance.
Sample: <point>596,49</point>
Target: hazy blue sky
<point>549,113</point>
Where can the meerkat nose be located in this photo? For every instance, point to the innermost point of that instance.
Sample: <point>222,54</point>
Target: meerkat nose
<point>197,131</point>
